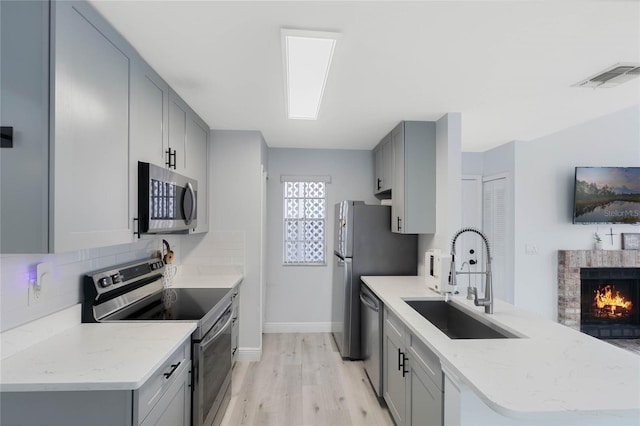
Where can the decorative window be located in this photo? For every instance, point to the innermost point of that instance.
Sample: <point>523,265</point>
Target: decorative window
<point>305,217</point>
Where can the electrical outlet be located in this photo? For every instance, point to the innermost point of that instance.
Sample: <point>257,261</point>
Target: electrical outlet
<point>39,283</point>
<point>35,293</point>
<point>530,249</point>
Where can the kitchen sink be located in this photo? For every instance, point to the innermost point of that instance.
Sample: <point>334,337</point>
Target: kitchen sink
<point>455,323</point>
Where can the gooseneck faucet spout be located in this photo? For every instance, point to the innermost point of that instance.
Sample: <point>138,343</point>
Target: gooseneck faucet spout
<point>487,301</point>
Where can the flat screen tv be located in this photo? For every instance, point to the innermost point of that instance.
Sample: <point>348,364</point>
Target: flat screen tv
<point>607,195</point>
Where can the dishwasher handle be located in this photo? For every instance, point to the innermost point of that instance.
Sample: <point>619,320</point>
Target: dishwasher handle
<point>369,302</point>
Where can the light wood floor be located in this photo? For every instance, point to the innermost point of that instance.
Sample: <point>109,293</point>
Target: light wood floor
<point>302,380</point>
<point>632,345</point>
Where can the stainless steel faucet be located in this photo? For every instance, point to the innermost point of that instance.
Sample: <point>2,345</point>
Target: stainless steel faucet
<point>487,301</point>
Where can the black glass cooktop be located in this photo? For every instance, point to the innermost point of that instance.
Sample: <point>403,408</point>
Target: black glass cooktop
<point>179,304</point>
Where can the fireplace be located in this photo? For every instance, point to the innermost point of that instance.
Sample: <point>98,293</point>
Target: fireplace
<point>570,266</point>
<point>610,302</point>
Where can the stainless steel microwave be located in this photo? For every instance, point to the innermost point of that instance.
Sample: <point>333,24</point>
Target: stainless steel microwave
<point>167,201</point>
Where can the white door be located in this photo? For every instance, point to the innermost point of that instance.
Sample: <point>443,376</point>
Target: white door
<point>469,248</point>
<point>494,225</point>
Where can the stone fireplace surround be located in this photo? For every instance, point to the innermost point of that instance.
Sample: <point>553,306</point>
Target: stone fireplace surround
<point>569,264</point>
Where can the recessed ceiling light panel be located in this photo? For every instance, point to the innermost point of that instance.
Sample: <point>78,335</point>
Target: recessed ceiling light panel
<point>612,76</point>
<point>307,59</point>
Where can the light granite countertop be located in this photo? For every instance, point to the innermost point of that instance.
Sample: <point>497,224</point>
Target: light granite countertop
<point>551,369</point>
<point>107,356</point>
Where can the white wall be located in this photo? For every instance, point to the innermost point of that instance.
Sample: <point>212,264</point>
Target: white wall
<point>542,175</point>
<point>544,199</point>
<point>236,159</point>
<point>448,186</point>
<point>299,297</point>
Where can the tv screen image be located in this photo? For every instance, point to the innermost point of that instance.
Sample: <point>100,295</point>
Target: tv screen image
<point>607,195</point>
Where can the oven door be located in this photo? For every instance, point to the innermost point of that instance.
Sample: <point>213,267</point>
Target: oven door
<point>212,373</point>
<point>167,201</point>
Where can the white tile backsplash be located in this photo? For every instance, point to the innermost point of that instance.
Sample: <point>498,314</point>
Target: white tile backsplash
<point>65,287</point>
<point>217,252</point>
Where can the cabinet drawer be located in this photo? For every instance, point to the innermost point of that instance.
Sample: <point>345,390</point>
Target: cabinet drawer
<point>156,386</point>
<point>393,324</point>
<point>425,358</point>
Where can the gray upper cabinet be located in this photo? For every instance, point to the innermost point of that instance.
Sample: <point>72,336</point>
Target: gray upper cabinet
<point>178,111</point>
<point>414,178</point>
<point>84,108</point>
<point>168,133</point>
<point>24,97</point>
<point>197,152</point>
<point>90,66</point>
<point>383,167</point>
<point>149,115</point>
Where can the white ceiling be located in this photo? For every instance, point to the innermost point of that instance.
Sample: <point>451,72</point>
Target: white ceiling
<point>507,66</point>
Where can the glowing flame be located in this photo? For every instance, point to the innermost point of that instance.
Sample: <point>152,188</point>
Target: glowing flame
<point>605,299</point>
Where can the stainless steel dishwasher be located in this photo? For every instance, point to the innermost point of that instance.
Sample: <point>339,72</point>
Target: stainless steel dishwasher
<point>371,333</point>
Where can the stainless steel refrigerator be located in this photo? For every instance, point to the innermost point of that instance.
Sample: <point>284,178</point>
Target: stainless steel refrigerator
<point>364,245</point>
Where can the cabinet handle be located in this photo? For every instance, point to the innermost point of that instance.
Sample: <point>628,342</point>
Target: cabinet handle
<point>175,158</point>
<point>234,351</point>
<point>379,183</point>
<point>173,369</point>
<point>136,221</point>
<point>399,220</point>
<point>400,358</point>
<point>170,155</point>
<point>404,360</point>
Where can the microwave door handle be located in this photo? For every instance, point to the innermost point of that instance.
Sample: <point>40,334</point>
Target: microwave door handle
<point>193,203</point>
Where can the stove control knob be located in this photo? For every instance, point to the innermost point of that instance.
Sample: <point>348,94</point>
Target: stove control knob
<point>116,278</point>
<point>105,282</point>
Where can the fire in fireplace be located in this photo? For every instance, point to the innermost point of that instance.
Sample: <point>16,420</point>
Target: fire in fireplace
<point>610,307</point>
<point>609,302</point>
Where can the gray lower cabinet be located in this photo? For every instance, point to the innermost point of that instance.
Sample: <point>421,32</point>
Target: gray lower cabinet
<point>164,399</point>
<point>413,380</point>
<point>393,370</point>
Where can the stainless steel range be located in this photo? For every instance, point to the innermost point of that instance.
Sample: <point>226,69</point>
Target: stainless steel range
<point>134,292</point>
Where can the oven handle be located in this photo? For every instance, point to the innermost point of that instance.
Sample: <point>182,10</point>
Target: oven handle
<point>209,340</point>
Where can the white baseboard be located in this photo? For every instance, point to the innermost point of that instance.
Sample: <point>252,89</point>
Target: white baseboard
<point>249,354</point>
<point>296,327</point>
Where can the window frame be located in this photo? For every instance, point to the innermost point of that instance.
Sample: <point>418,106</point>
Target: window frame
<point>325,180</point>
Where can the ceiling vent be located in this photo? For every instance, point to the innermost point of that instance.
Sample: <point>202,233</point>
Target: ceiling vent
<point>612,76</point>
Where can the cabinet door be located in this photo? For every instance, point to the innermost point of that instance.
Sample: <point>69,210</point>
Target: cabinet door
<point>377,169</point>
<point>394,384</point>
<point>24,102</point>
<point>178,131</point>
<point>197,166</point>
<point>174,408</point>
<point>425,405</point>
<point>383,165</point>
<point>149,116</point>
<point>387,163</point>
<point>90,127</point>
<point>397,193</point>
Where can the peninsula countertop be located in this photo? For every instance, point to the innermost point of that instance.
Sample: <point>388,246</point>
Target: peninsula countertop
<point>550,370</point>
